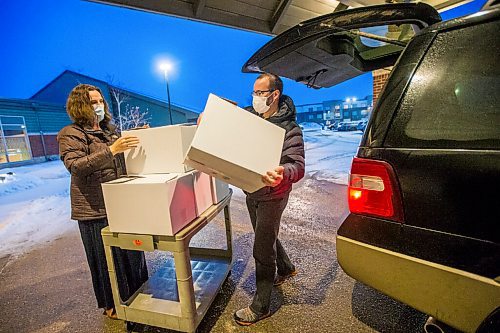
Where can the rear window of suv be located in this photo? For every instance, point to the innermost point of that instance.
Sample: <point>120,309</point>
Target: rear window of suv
<point>453,100</point>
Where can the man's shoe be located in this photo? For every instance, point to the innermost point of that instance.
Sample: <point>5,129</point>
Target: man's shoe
<point>247,317</point>
<point>280,279</point>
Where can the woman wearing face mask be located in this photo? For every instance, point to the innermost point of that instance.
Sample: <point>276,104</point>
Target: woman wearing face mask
<point>92,152</point>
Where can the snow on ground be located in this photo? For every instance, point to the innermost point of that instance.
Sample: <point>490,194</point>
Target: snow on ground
<point>34,200</point>
<point>34,206</point>
<point>329,154</point>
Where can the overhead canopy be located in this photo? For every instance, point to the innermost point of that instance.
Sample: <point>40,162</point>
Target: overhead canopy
<point>264,16</point>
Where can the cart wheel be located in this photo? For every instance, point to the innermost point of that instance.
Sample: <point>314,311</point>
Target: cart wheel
<point>130,326</point>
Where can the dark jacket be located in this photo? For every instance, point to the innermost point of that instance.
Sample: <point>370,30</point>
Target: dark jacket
<point>292,154</point>
<point>86,155</point>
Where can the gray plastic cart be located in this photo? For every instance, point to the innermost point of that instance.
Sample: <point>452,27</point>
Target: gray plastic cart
<point>174,297</point>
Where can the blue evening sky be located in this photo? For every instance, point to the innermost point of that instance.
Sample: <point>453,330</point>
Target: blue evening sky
<point>40,39</point>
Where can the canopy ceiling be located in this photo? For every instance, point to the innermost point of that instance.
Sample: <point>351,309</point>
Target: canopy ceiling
<point>264,16</point>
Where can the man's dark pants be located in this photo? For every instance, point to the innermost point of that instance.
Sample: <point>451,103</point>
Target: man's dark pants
<point>267,250</point>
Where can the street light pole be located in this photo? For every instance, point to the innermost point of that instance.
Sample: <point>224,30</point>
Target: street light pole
<point>168,97</point>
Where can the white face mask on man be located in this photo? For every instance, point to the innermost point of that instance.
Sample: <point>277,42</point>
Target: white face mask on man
<point>259,104</point>
<point>99,111</point>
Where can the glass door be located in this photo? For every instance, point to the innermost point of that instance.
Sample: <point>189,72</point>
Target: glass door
<point>14,143</point>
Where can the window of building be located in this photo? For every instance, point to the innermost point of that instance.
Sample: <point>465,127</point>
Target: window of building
<point>14,143</point>
<point>319,116</point>
<point>311,116</point>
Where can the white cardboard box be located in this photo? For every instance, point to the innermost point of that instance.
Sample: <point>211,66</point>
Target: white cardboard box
<point>161,149</point>
<point>160,204</point>
<point>234,145</point>
<point>202,191</point>
<point>220,190</point>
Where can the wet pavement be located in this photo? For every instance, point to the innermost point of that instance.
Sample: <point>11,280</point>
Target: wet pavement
<point>49,289</point>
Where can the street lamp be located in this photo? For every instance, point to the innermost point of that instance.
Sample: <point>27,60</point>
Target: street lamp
<point>166,67</point>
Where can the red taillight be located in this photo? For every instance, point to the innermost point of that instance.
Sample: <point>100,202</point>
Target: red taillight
<point>373,190</point>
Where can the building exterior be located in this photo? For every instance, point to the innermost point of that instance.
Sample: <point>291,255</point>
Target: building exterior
<point>334,111</point>
<point>29,127</point>
<point>120,100</point>
<point>312,113</point>
<point>28,130</point>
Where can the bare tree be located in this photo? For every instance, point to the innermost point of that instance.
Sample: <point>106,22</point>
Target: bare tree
<point>133,117</point>
<point>120,97</point>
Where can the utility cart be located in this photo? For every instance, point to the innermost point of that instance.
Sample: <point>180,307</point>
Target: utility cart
<point>177,296</point>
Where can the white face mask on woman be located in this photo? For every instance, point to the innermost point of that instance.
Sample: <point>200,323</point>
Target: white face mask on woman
<point>99,111</point>
<point>259,104</point>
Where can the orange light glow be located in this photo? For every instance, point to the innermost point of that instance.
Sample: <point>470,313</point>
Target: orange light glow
<point>355,194</point>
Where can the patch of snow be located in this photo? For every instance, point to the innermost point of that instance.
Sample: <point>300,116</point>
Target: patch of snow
<point>34,207</point>
<point>34,199</point>
<point>310,126</point>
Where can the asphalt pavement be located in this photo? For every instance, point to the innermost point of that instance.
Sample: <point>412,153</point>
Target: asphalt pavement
<point>49,289</point>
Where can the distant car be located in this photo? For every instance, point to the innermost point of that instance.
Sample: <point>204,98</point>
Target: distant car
<point>346,126</point>
<point>361,125</point>
<point>332,126</point>
<point>423,194</point>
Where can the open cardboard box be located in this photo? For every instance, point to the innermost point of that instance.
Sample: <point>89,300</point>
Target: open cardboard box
<point>160,204</point>
<point>161,149</point>
<point>235,146</point>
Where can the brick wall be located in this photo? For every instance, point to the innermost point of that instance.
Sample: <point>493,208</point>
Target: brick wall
<point>380,76</point>
<point>50,145</point>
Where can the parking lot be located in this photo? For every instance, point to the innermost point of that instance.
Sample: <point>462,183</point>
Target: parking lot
<point>49,288</point>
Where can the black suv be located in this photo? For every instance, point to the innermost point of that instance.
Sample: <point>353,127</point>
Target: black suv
<point>424,187</point>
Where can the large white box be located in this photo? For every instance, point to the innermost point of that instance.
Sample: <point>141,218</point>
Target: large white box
<point>160,204</point>
<point>220,190</point>
<point>161,149</point>
<point>234,145</point>
<point>202,191</point>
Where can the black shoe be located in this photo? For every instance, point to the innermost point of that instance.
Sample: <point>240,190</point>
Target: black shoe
<point>280,279</point>
<point>247,317</point>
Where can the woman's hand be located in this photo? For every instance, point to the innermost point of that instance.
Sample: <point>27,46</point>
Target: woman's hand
<point>123,144</point>
<point>274,178</point>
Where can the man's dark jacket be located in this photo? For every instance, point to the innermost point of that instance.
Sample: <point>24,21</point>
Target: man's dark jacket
<point>292,154</point>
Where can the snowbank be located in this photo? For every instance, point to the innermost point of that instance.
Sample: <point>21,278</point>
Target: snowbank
<point>329,154</point>
<point>34,206</point>
<point>34,200</point>
<point>306,126</point>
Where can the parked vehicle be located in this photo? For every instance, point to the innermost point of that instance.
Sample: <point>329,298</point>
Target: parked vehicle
<point>346,126</point>
<point>423,226</point>
<point>333,126</point>
<point>362,125</point>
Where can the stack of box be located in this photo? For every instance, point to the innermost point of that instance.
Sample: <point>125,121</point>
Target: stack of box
<point>160,195</point>
<point>235,146</point>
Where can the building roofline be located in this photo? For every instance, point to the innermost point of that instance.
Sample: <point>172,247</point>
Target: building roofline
<point>31,102</point>
<point>302,105</point>
<point>151,98</point>
<point>110,86</point>
<point>60,75</point>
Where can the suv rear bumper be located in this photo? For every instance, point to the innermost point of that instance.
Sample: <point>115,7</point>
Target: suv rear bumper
<point>460,299</point>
